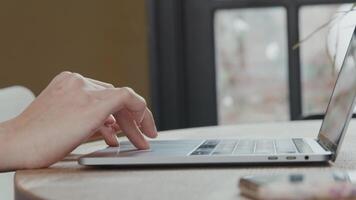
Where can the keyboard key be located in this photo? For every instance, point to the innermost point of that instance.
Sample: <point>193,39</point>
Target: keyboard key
<point>265,146</point>
<point>285,146</point>
<point>209,144</point>
<point>225,147</point>
<point>302,146</point>
<point>245,147</point>
<point>201,152</point>
<point>206,148</point>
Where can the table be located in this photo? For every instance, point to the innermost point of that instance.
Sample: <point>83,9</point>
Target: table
<point>68,180</point>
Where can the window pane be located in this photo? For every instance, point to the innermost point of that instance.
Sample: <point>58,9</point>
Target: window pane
<point>317,72</point>
<point>251,65</point>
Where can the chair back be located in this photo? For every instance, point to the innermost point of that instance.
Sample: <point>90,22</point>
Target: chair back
<point>13,100</point>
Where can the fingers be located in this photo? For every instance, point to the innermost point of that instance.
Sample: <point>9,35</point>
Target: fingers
<point>122,97</point>
<point>118,99</point>
<point>131,100</point>
<point>129,127</point>
<point>122,108</point>
<point>147,125</point>
<point>130,111</point>
<point>109,134</point>
<point>110,120</point>
<point>132,131</point>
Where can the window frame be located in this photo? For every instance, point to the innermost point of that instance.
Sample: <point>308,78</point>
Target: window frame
<point>182,58</point>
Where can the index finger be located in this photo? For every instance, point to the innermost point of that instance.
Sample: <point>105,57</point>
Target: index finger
<point>116,99</point>
<point>148,126</point>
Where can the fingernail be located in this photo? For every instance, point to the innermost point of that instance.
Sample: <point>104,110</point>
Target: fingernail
<point>108,124</point>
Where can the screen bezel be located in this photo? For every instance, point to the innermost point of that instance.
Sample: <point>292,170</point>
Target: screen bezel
<point>324,141</point>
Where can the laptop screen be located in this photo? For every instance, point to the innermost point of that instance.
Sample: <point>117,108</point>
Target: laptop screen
<point>340,106</point>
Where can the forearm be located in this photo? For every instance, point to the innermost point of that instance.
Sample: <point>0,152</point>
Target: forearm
<point>10,150</point>
<point>25,147</point>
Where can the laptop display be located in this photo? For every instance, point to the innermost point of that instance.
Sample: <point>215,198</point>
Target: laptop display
<point>341,102</point>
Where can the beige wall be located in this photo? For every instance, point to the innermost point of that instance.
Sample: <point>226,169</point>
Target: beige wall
<point>102,39</point>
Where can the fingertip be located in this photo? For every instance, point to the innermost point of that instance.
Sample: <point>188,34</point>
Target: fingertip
<point>141,145</point>
<point>113,141</point>
<point>116,142</point>
<point>145,145</point>
<point>148,126</point>
<point>109,136</point>
<point>152,134</point>
<point>155,132</point>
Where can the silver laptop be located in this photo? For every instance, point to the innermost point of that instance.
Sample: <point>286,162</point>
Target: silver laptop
<point>248,151</point>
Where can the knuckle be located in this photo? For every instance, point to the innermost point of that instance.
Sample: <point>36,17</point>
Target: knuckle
<point>141,105</point>
<point>77,78</point>
<point>62,76</point>
<point>131,94</point>
<point>149,112</point>
<point>65,73</point>
<point>126,92</point>
<point>144,103</point>
<point>128,89</point>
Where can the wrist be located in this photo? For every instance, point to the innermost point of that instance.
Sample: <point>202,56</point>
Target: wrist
<point>12,154</point>
<point>6,134</point>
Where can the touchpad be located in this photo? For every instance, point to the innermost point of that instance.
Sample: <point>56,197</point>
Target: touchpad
<point>160,148</point>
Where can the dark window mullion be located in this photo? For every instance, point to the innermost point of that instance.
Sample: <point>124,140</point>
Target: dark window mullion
<point>295,95</point>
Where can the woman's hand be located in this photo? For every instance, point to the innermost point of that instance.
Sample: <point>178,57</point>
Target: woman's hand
<point>70,110</point>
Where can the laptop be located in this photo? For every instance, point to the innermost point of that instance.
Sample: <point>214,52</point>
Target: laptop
<point>249,151</point>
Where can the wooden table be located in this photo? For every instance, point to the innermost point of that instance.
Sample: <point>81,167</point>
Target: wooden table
<point>68,180</point>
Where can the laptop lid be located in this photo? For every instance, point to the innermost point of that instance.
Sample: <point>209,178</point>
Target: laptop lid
<point>341,103</point>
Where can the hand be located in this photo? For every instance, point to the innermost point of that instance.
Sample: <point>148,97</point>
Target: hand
<point>68,112</point>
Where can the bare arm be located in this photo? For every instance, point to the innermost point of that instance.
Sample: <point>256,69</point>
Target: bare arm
<point>70,110</point>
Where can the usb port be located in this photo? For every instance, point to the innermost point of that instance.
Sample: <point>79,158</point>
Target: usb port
<point>272,158</point>
<point>291,157</point>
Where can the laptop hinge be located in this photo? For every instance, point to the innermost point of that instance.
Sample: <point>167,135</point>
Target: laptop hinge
<point>323,145</point>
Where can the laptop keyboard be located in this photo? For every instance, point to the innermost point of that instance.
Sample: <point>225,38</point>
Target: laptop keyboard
<point>249,146</point>
<point>302,147</point>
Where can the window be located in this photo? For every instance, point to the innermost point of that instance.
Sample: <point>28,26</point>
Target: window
<point>318,73</point>
<point>227,62</point>
<point>251,58</point>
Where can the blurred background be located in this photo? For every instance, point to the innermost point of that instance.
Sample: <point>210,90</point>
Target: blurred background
<point>252,72</point>
<point>196,62</point>
<point>105,40</point>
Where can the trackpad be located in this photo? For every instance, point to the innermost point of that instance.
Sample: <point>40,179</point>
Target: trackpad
<point>160,148</point>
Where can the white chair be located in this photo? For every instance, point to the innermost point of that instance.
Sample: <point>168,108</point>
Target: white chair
<point>13,100</point>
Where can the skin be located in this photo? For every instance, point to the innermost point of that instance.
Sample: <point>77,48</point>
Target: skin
<point>66,113</point>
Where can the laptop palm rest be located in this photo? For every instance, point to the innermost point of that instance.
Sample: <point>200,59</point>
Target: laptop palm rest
<point>157,148</point>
